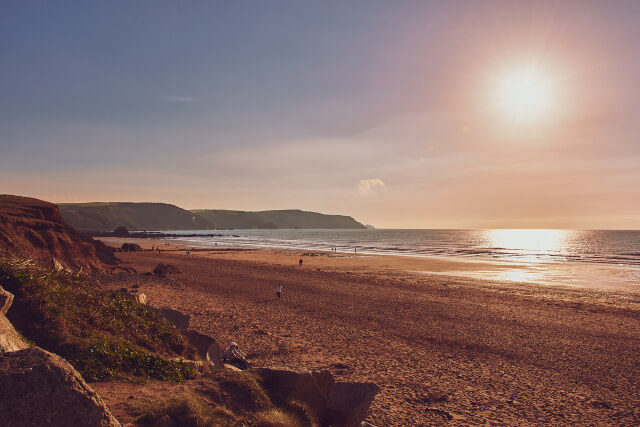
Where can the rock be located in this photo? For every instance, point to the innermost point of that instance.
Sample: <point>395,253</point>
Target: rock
<point>181,321</point>
<point>56,265</point>
<point>312,388</point>
<point>121,231</point>
<point>214,356</point>
<point>141,298</point>
<point>335,403</point>
<point>38,388</point>
<point>163,269</point>
<point>131,247</point>
<point>231,367</point>
<point>6,299</point>
<point>207,347</point>
<point>10,340</point>
<point>349,402</point>
<point>201,342</point>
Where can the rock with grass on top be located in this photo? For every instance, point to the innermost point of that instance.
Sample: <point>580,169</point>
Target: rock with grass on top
<point>163,269</point>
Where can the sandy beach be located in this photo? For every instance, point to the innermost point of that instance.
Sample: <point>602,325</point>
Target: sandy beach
<point>444,349</point>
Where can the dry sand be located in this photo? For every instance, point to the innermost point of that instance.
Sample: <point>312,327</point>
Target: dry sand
<point>444,349</point>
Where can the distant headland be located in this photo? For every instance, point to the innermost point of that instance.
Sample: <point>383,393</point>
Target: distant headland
<point>163,216</point>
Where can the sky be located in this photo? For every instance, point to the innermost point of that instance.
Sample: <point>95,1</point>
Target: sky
<point>411,114</point>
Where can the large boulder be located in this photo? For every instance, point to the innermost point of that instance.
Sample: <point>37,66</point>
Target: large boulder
<point>38,388</point>
<point>207,347</point>
<point>181,321</point>
<point>121,231</point>
<point>10,340</point>
<point>131,247</point>
<point>163,269</point>
<point>349,403</point>
<point>6,299</point>
<point>336,404</point>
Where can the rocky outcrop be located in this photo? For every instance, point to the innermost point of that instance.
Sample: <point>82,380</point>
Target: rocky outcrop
<point>349,402</point>
<point>131,247</point>
<point>38,388</point>
<point>10,340</point>
<point>207,347</point>
<point>181,321</point>
<point>121,232</point>
<point>335,403</point>
<point>34,229</point>
<point>163,269</point>
<point>6,299</point>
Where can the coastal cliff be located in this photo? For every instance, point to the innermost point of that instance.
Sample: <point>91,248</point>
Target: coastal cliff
<point>161,216</point>
<point>133,216</point>
<point>34,229</point>
<point>280,219</point>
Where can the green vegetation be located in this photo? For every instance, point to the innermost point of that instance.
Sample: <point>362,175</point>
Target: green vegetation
<point>102,333</point>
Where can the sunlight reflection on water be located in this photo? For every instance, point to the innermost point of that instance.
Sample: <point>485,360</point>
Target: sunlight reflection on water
<point>575,257</point>
<point>534,241</point>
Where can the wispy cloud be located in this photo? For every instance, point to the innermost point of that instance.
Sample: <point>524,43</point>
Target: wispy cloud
<point>367,186</point>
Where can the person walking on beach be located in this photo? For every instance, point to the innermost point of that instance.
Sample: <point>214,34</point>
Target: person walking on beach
<point>278,291</point>
<point>300,262</point>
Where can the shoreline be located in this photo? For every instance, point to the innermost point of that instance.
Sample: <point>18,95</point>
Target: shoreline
<point>533,273</point>
<point>457,350</point>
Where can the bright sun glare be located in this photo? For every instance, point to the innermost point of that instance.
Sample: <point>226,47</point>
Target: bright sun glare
<point>525,94</point>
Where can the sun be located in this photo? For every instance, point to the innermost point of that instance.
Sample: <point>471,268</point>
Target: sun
<point>525,94</point>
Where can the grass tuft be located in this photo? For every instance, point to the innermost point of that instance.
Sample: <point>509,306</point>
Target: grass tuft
<point>276,418</point>
<point>187,410</point>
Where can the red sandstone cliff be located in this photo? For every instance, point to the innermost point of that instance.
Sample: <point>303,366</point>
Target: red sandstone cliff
<point>32,228</point>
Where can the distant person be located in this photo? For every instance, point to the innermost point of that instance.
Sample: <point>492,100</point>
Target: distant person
<point>300,262</point>
<point>235,357</point>
<point>278,291</point>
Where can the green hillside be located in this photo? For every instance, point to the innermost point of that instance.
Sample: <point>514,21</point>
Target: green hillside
<point>287,219</point>
<point>134,216</point>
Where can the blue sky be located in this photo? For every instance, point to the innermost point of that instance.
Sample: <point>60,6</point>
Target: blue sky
<point>380,110</point>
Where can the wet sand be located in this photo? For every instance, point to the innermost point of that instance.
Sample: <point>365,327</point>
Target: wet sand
<point>444,349</point>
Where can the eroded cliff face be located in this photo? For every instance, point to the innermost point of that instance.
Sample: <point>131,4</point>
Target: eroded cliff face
<point>34,229</point>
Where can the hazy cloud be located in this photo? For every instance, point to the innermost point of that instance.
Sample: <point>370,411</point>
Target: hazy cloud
<point>182,99</point>
<point>367,186</point>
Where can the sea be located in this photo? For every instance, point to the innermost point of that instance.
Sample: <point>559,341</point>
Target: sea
<point>566,257</point>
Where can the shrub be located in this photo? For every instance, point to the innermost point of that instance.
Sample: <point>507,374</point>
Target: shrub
<point>100,332</point>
